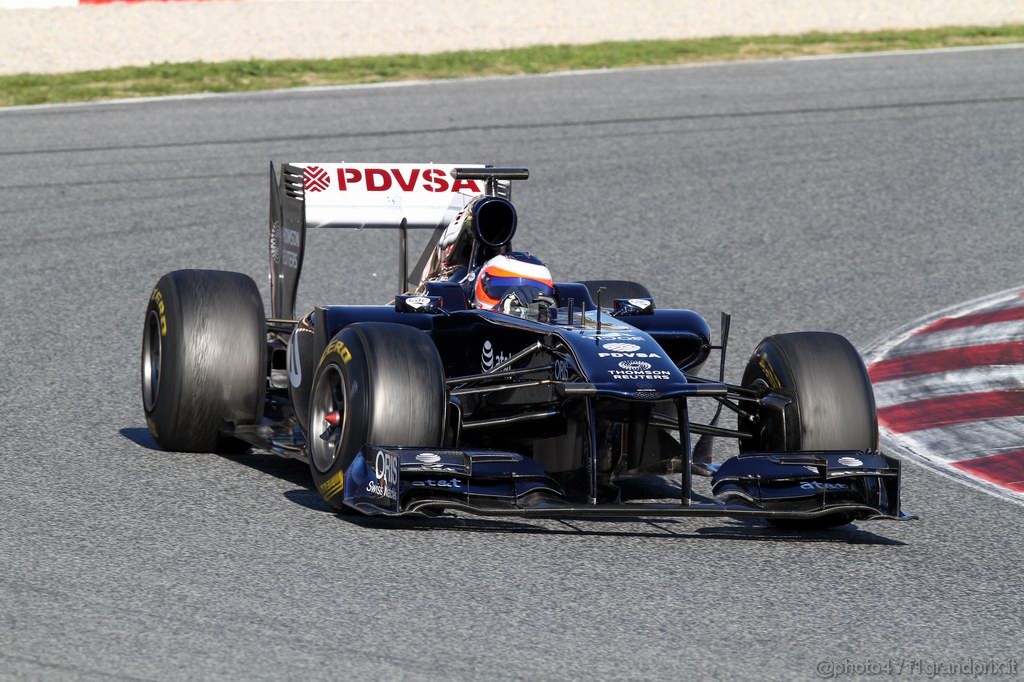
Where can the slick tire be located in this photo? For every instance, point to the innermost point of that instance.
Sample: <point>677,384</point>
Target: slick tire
<point>386,384</point>
<point>615,288</point>
<point>832,404</point>
<point>203,359</point>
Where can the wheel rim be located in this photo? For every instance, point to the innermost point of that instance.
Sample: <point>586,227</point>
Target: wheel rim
<point>152,354</point>
<point>329,398</point>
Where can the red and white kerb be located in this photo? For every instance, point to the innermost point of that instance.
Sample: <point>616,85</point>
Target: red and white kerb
<point>952,390</point>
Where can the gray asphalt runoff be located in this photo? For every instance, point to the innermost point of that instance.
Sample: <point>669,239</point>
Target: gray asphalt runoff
<point>850,195</point>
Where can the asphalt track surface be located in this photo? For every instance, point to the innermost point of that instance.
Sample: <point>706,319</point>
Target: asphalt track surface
<point>851,195</point>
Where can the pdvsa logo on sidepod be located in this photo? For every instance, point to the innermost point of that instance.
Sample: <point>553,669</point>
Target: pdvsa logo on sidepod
<point>624,350</point>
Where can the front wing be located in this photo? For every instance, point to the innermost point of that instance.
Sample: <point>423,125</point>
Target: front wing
<point>393,481</point>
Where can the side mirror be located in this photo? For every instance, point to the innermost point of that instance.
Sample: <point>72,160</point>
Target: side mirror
<point>624,307</point>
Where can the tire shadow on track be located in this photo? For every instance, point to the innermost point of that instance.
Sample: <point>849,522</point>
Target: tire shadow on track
<point>140,436</point>
<point>290,470</point>
<point>305,495</point>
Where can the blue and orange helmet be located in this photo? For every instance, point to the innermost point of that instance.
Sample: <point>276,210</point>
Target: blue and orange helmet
<point>504,273</point>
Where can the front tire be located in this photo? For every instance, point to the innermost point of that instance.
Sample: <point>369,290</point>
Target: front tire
<point>384,384</point>
<point>203,359</point>
<point>832,405</point>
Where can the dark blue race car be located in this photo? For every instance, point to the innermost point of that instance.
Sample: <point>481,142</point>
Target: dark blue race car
<point>487,387</point>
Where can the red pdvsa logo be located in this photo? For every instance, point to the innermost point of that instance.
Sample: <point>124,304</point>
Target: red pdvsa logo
<point>316,179</point>
<point>394,179</point>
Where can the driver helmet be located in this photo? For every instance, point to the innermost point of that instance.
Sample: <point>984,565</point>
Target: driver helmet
<point>507,272</point>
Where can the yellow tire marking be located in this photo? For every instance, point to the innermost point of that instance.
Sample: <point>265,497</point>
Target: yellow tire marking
<point>333,485</point>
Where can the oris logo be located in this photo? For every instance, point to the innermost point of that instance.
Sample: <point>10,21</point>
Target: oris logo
<point>621,347</point>
<point>316,179</point>
<point>385,471</point>
<point>635,365</point>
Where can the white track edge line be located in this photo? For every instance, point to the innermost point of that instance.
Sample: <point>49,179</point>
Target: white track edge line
<point>473,79</point>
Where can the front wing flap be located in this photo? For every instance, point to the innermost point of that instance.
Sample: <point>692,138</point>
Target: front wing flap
<point>809,481</point>
<point>392,481</point>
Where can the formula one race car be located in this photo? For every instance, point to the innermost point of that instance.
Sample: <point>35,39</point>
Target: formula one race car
<point>486,387</point>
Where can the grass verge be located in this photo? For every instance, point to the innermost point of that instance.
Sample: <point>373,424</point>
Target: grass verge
<point>256,74</point>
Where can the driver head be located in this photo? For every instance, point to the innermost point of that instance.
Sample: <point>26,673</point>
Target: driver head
<point>503,274</point>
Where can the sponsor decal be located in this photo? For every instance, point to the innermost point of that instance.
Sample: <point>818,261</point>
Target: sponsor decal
<point>159,299</point>
<point>440,483</point>
<point>818,485</point>
<point>398,179</point>
<point>432,460</point>
<point>813,470</point>
<point>769,374</point>
<point>850,462</point>
<point>619,336</point>
<point>275,241</point>
<point>338,347</point>
<point>487,355</point>
<point>333,485</point>
<point>385,469</point>
<point>633,370</point>
<point>628,355</point>
<point>561,370</point>
<point>490,358</point>
<point>417,301</point>
<point>621,347</point>
<point>294,364</point>
<point>642,304</point>
<point>315,179</point>
<point>635,375</point>
<point>291,238</point>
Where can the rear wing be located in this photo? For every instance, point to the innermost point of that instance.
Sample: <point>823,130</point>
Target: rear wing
<point>360,196</point>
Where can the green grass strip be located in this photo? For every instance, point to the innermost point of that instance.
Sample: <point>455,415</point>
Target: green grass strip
<point>257,74</point>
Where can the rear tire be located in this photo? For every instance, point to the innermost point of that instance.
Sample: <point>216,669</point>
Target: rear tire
<point>832,404</point>
<point>203,359</point>
<point>386,382</point>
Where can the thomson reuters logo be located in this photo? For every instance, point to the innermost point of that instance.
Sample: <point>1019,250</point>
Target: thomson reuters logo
<point>316,179</point>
